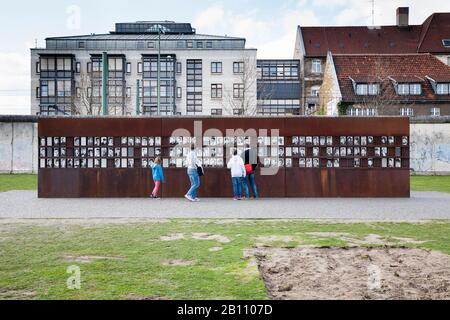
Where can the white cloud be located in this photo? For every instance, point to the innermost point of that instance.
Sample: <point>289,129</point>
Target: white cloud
<point>14,83</point>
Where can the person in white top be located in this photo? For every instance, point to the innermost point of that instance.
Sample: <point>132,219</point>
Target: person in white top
<point>194,178</point>
<point>238,174</point>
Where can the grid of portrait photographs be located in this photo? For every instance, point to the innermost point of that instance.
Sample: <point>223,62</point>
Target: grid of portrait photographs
<point>298,151</point>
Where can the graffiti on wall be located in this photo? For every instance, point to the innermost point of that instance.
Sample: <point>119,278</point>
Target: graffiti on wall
<point>430,148</point>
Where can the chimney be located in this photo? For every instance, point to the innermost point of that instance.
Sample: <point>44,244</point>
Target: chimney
<point>403,17</point>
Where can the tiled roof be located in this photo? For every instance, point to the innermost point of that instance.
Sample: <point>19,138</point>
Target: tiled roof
<point>389,68</point>
<point>425,38</point>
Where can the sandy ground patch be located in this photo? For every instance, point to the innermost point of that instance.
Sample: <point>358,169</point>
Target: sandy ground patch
<point>90,259</point>
<point>371,239</point>
<point>136,297</point>
<point>172,237</point>
<point>177,262</point>
<point>215,249</point>
<point>210,237</point>
<point>11,294</point>
<point>354,273</point>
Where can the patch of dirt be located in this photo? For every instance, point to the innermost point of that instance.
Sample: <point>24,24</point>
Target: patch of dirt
<point>135,297</point>
<point>177,262</point>
<point>11,294</point>
<point>355,273</point>
<point>90,259</point>
<point>210,237</point>
<point>371,239</point>
<point>268,241</point>
<point>215,249</point>
<point>172,237</point>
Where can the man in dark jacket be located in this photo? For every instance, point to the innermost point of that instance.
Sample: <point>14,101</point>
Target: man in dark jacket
<point>250,157</point>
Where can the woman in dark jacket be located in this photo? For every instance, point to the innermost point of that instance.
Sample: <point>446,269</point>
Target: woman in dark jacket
<point>251,164</point>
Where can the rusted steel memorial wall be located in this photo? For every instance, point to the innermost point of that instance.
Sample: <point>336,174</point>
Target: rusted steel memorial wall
<point>298,156</point>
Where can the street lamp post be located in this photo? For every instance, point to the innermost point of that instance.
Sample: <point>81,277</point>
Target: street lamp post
<point>160,29</point>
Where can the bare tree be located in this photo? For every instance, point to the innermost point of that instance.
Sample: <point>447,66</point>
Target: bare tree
<point>84,101</point>
<point>239,98</point>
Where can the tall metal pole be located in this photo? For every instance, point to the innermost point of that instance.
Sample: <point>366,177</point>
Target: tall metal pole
<point>105,76</point>
<point>159,72</point>
<point>138,97</point>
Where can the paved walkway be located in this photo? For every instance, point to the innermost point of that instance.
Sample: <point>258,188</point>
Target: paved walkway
<point>422,206</point>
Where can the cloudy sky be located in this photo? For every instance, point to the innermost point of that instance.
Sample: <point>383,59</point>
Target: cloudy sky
<point>268,25</point>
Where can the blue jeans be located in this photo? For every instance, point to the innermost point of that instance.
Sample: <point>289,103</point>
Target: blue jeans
<point>194,178</point>
<point>245,187</point>
<point>251,179</point>
<point>237,187</point>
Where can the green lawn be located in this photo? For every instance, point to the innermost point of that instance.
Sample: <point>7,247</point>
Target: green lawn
<point>432,183</point>
<point>18,182</point>
<point>29,182</point>
<point>33,255</point>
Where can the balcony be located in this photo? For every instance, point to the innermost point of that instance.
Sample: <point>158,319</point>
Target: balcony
<point>312,100</point>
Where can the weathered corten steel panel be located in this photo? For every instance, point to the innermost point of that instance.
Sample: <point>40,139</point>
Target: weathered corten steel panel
<point>344,181</point>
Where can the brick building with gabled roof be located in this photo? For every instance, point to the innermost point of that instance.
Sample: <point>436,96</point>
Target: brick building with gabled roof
<point>314,43</point>
<point>386,84</point>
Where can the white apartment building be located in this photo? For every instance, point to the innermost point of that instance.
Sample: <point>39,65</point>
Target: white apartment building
<point>198,74</point>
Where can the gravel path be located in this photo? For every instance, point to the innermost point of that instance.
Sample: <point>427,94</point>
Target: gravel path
<point>421,206</point>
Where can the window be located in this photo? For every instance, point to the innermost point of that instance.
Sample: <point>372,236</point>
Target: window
<point>139,67</point>
<point>78,92</point>
<point>38,67</point>
<point>81,45</point>
<point>238,67</point>
<point>209,44</point>
<point>367,89</point>
<point>151,45</point>
<point>48,88</point>
<point>128,67</point>
<point>180,44</point>
<point>316,66</point>
<point>78,67</point>
<point>64,64</point>
<point>200,45</point>
<point>128,92</point>
<point>315,91</point>
<point>446,43</point>
<point>361,112</point>
<point>216,112</point>
<point>194,88</point>
<point>64,88</point>
<point>89,66</point>
<point>216,67</point>
<point>405,89</point>
<point>190,44</point>
<point>38,92</point>
<point>443,88</point>
<point>407,112</point>
<point>179,92</point>
<point>179,68</point>
<point>115,64</point>
<point>89,92</point>
<point>47,64</point>
<point>435,112</point>
<point>216,91</point>
<point>238,91</point>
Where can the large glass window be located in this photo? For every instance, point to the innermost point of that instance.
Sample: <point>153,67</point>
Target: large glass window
<point>194,96</point>
<point>435,112</point>
<point>216,91</point>
<point>367,89</point>
<point>316,66</point>
<point>216,67</point>
<point>238,67</point>
<point>406,89</point>
<point>238,91</point>
<point>407,112</point>
<point>443,88</point>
